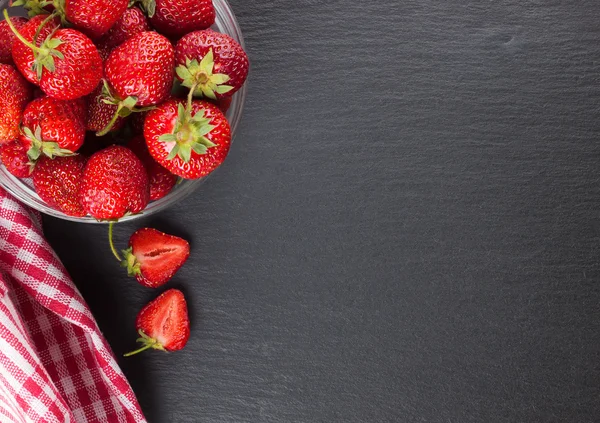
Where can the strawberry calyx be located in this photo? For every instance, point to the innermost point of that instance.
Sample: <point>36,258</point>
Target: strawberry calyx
<point>148,6</point>
<point>147,342</point>
<point>131,263</point>
<point>189,134</point>
<point>33,7</point>
<point>125,107</point>
<point>200,77</point>
<point>44,54</point>
<point>39,146</point>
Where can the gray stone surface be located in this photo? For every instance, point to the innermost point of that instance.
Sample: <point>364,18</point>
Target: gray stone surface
<point>406,229</point>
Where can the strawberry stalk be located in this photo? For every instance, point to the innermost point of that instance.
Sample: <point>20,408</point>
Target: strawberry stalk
<point>147,344</point>
<point>110,241</point>
<point>124,107</point>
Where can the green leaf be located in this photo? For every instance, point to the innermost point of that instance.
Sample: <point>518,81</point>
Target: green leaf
<point>223,89</point>
<point>220,78</point>
<point>173,152</point>
<point>208,143</point>
<point>168,138</point>
<point>185,152</point>
<point>181,113</point>
<point>204,130</point>
<point>183,73</point>
<point>207,63</point>
<point>18,3</point>
<point>129,102</point>
<point>207,92</point>
<point>28,133</point>
<point>199,148</point>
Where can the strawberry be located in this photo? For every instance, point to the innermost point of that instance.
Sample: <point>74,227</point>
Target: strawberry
<point>161,180</point>
<point>188,141</point>
<point>164,323</point>
<point>175,18</point>
<point>114,183</point>
<point>16,93</point>
<point>92,17</point>
<point>131,23</point>
<point>140,73</point>
<point>67,63</point>
<point>214,65</point>
<point>224,103</point>
<point>14,158</point>
<point>7,38</point>
<point>23,55</point>
<point>52,127</point>
<point>100,113</point>
<point>154,257</point>
<point>57,182</point>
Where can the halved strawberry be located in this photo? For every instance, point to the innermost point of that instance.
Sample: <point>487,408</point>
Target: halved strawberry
<point>153,257</point>
<point>164,323</point>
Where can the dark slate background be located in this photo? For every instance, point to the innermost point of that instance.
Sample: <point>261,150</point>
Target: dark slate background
<point>406,230</point>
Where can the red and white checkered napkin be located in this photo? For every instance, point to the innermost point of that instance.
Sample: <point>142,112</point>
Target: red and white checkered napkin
<point>55,365</point>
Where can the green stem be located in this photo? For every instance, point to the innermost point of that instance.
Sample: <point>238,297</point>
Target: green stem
<point>144,348</point>
<point>110,240</point>
<point>18,34</point>
<point>42,25</point>
<point>190,97</point>
<point>112,122</point>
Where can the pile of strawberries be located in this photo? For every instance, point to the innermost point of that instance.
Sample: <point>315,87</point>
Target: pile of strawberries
<point>107,103</point>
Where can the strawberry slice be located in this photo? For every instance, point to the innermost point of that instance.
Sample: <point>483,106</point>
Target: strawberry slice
<point>164,323</point>
<point>153,257</point>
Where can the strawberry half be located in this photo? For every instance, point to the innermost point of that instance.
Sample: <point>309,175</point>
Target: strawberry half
<point>52,127</point>
<point>14,158</point>
<point>7,38</point>
<point>214,65</point>
<point>140,73</point>
<point>16,93</point>
<point>189,141</point>
<point>161,180</point>
<point>114,183</point>
<point>175,18</point>
<point>164,323</point>
<point>58,181</point>
<point>153,257</point>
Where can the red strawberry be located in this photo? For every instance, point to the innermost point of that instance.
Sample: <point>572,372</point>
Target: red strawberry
<point>164,323</point>
<point>67,63</point>
<point>23,55</point>
<point>224,104</point>
<point>154,257</point>
<point>114,183</point>
<point>175,18</point>
<point>161,180</point>
<point>52,127</point>
<point>7,38</point>
<point>140,72</point>
<point>100,113</point>
<point>57,182</point>
<point>131,23</point>
<point>93,17</point>
<point>188,141</point>
<point>211,63</point>
<point>16,93</point>
<point>14,158</point>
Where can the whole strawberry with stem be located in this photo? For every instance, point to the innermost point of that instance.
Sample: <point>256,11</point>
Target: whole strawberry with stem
<point>213,64</point>
<point>16,93</point>
<point>163,324</point>
<point>7,37</point>
<point>175,18</point>
<point>161,180</point>
<point>52,128</point>
<point>14,158</point>
<point>101,113</point>
<point>153,257</point>
<point>114,183</point>
<point>67,63</point>
<point>58,181</point>
<point>132,22</point>
<point>189,140</point>
<point>140,74</point>
<point>36,31</point>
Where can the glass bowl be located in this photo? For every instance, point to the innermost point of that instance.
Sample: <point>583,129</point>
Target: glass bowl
<point>22,189</point>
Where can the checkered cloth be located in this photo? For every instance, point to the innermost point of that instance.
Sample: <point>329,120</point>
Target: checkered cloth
<point>55,366</point>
